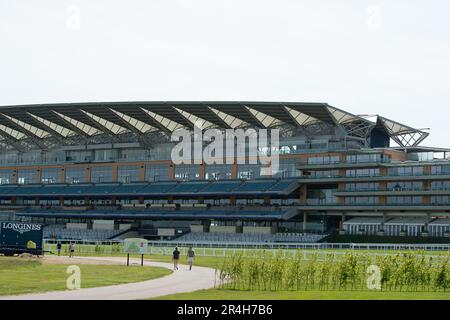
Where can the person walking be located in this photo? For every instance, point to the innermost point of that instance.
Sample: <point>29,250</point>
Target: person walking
<point>176,258</point>
<point>59,247</point>
<point>191,255</point>
<point>71,249</point>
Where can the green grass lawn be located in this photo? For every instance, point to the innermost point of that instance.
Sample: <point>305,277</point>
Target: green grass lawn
<point>219,294</point>
<point>107,250</point>
<point>210,262</point>
<point>18,275</point>
<point>226,294</point>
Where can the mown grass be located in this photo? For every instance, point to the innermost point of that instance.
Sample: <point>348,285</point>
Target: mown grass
<point>20,276</point>
<point>117,250</point>
<point>219,294</point>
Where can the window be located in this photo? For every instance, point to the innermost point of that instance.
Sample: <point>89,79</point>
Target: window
<point>404,200</point>
<point>373,172</point>
<point>50,175</point>
<point>405,171</point>
<point>323,160</point>
<point>186,172</point>
<point>75,175</point>
<point>26,176</point>
<point>6,176</point>
<point>287,168</point>
<point>249,171</point>
<point>321,174</point>
<point>156,172</point>
<point>218,171</point>
<point>368,186</point>
<point>440,169</point>
<point>364,158</point>
<point>361,200</point>
<point>321,197</point>
<point>405,186</point>
<point>126,174</point>
<point>440,185</point>
<point>101,174</point>
<point>438,200</point>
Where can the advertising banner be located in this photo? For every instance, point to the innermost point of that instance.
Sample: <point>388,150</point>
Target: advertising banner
<point>20,237</point>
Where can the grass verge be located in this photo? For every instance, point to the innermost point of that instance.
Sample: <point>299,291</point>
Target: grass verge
<point>220,294</point>
<point>20,276</point>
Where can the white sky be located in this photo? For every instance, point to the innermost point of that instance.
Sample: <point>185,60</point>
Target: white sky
<point>368,57</point>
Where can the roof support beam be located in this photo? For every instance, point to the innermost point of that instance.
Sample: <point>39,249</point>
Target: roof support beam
<point>72,127</point>
<point>37,140</point>
<point>15,143</point>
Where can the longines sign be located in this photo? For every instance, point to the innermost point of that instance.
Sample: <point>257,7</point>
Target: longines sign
<point>18,237</point>
<point>21,227</point>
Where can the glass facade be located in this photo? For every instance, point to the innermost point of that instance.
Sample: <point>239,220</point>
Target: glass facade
<point>439,200</point>
<point>75,175</point>
<point>364,186</point>
<point>218,171</point>
<point>405,171</point>
<point>186,172</point>
<point>405,186</point>
<point>6,176</point>
<point>26,176</point>
<point>404,200</point>
<point>156,172</point>
<point>248,171</point>
<point>372,172</point>
<point>361,200</point>
<point>287,168</point>
<point>321,174</point>
<point>50,175</point>
<point>323,160</point>
<point>321,197</point>
<point>440,185</point>
<point>101,174</point>
<point>126,174</point>
<point>445,169</point>
<point>363,158</point>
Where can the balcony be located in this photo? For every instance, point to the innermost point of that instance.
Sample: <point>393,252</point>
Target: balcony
<point>391,192</point>
<point>340,208</point>
<point>369,178</point>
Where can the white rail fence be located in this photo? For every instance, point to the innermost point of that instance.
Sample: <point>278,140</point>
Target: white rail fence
<point>211,249</point>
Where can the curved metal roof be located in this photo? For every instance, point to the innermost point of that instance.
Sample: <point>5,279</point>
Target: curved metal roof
<point>44,125</point>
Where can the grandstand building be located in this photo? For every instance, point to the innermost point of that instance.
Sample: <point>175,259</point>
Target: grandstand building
<point>99,170</point>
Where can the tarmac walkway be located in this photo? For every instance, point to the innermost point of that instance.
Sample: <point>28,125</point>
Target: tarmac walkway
<point>181,280</point>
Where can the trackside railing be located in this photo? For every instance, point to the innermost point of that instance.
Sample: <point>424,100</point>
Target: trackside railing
<point>110,246</point>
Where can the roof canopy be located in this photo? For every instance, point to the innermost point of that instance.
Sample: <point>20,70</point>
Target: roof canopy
<point>47,125</point>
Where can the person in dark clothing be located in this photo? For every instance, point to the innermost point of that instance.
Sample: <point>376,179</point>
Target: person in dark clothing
<point>59,247</point>
<point>176,258</point>
<point>191,255</point>
<point>71,249</point>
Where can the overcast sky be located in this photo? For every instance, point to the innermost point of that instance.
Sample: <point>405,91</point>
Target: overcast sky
<point>368,57</point>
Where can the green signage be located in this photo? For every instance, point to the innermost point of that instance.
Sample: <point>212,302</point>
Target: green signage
<point>135,245</point>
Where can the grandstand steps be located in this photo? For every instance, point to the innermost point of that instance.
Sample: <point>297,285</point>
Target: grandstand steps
<point>126,234</point>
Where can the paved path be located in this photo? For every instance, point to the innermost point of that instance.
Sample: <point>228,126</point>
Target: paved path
<point>179,281</point>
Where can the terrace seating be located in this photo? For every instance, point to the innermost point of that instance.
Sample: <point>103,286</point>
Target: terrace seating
<point>133,188</point>
<point>158,187</point>
<point>283,185</point>
<point>189,187</point>
<point>191,212</point>
<point>155,188</point>
<point>61,233</point>
<point>249,237</point>
<point>103,189</point>
<point>81,189</point>
<point>220,187</point>
<point>254,186</point>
